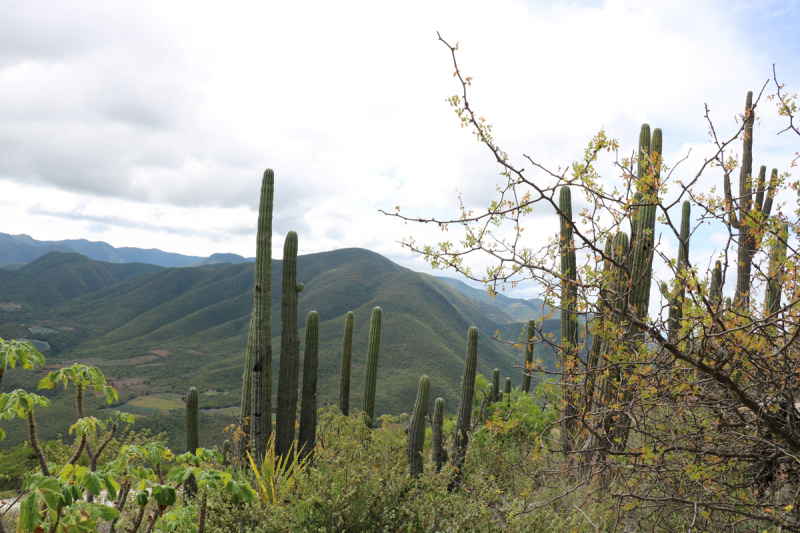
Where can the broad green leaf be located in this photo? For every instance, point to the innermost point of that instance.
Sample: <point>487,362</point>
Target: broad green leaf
<point>29,515</point>
<point>91,482</point>
<point>107,513</point>
<point>164,494</point>
<point>141,498</point>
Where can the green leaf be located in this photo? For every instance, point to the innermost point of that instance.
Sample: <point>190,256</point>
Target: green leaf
<point>29,515</point>
<point>240,492</point>
<point>141,498</point>
<point>164,494</point>
<point>107,513</point>
<point>91,482</point>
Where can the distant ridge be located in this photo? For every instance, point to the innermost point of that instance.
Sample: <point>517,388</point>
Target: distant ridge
<point>24,249</point>
<point>517,308</point>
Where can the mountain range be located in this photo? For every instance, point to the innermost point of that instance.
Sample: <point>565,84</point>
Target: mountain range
<point>157,331</point>
<point>18,249</point>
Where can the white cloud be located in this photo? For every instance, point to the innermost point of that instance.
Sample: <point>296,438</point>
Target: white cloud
<point>144,125</point>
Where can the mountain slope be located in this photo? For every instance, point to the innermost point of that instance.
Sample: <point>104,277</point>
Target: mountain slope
<point>161,332</point>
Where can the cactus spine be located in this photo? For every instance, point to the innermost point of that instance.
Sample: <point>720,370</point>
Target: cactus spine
<point>259,352</point>
<point>526,376</point>
<point>192,434</point>
<point>507,391</point>
<point>495,385</point>
<point>371,371</point>
<point>777,255</point>
<point>437,452</point>
<point>676,304</point>
<point>465,404</point>
<point>347,353</point>
<point>416,429</point>
<point>286,415</point>
<point>308,407</point>
<point>569,317</point>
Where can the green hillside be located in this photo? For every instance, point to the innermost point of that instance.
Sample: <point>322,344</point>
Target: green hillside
<point>157,333</point>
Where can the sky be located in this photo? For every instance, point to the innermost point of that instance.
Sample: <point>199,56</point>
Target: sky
<point>149,124</point>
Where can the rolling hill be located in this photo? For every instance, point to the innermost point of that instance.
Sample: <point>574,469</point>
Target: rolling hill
<point>155,332</point>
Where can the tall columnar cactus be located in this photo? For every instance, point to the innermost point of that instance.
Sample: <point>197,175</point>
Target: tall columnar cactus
<point>715,291</point>
<point>416,430</point>
<point>597,324</point>
<point>569,318</point>
<point>288,376</point>
<point>495,385</point>
<point>507,391</point>
<point>526,376</point>
<point>754,205</point>
<point>438,454</point>
<point>371,371</point>
<point>777,256</point>
<point>464,418</point>
<point>643,245</point>
<point>676,303</point>
<point>192,433</point>
<point>257,386</point>
<point>308,407</point>
<point>344,377</point>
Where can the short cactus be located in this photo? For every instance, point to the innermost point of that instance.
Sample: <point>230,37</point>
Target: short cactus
<point>496,385</point>
<point>507,391</point>
<point>437,451</point>
<point>526,376</point>
<point>416,431</point>
<point>371,372</point>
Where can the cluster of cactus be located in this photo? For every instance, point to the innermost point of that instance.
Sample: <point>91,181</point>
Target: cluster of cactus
<point>257,378</point>
<point>754,205</point>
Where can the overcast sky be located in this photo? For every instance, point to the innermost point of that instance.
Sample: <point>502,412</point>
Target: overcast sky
<point>149,124</point>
